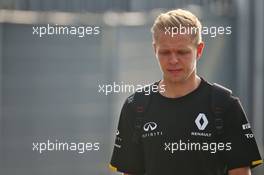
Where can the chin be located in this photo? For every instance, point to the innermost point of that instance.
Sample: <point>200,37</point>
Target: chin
<point>175,80</point>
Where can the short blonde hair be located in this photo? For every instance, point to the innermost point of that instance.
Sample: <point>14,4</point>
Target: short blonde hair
<point>176,19</point>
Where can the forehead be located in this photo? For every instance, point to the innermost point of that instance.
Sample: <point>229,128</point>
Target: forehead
<point>180,40</point>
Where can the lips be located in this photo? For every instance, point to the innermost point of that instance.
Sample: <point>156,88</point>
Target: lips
<point>174,71</point>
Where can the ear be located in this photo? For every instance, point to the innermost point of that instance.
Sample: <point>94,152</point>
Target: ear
<point>200,47</point>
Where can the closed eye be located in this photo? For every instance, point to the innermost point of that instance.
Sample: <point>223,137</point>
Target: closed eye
<point>165,52</point>
<point>183,52</point>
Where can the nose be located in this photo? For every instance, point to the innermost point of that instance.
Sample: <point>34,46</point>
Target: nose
<point>174,59</point>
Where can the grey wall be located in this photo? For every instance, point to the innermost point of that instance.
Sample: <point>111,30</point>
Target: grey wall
<point>50,92</point>
<point>217,6</point>
<point>1,113</point>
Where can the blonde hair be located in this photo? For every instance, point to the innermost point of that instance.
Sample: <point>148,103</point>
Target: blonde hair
<point>176,19</point>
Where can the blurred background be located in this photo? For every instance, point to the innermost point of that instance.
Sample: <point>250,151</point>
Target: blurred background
<point>49,85</point>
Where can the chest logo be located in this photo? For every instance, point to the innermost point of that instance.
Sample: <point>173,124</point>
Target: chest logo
<point>150,126</point>
<point>201,121</point>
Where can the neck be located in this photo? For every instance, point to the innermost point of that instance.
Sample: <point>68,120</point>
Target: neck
<point>179,89</point>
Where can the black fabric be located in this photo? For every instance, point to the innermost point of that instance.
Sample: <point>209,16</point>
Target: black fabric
<point>244,150</point>
<point>172,120</point>
<point>128,156</point>
<point>220,102</point>
<point>140,102</point>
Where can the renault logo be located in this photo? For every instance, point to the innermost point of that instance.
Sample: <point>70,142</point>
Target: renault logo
<point>201,121</point>
<point>150,126</point>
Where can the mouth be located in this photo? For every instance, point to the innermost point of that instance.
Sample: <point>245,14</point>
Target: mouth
<point>174,71</point>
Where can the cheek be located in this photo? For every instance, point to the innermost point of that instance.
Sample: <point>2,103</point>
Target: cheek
<point>162,63</point>
<point>189,62</point>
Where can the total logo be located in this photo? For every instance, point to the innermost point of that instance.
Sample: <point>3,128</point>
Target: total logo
<point>201,122</point>
<point>150,130</point>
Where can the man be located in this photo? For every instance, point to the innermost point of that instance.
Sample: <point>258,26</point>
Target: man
<point>178,133</point>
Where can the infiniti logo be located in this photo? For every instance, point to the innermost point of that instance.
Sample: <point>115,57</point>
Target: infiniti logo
<point>201,121</point>
<point>150,126</point>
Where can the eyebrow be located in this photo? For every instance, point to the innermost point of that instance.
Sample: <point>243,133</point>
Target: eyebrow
<point>181,48</point>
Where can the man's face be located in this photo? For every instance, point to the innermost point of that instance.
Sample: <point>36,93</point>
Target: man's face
<point>177,56</point>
